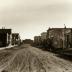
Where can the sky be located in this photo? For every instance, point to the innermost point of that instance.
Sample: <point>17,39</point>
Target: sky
<point>32,17</point>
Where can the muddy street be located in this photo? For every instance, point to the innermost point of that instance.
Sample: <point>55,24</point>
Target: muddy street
<point>26,58</point>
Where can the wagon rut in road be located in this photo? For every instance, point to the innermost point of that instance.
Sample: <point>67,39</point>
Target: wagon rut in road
<point>34,60</point>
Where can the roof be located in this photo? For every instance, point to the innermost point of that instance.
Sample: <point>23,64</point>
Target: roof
<point>15,33</point>
<point>5,31</point>
<point>60,28</point>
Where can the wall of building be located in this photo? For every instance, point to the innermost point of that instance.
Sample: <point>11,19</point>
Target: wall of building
<point>61,37</point>
<point>5,38</point>
<point>28,41</point>
<point>37,40</point>
<point>15,39</point>
<point>43,35</point>
<point>68,38</point>
<point>56,35</point>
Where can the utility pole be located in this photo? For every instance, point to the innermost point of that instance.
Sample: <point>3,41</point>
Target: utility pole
<point>64,36</point>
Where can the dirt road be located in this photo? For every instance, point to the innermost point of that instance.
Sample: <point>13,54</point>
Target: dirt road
<point>29,59</point>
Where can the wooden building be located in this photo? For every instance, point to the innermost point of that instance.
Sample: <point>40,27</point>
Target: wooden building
<point>15,39</point>
<point>5,37</point>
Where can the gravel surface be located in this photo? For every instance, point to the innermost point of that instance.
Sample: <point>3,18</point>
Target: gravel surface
<point>30,59</point>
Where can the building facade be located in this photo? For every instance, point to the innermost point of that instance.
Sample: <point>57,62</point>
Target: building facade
<point>60,37</point>
<point>43,35</point>
<point>15,39</point>
<point>5,37</point>
<point>28,41</point>
<point>37,40</point>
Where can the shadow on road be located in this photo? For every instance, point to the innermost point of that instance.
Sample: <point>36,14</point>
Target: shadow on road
<point>66,57</point>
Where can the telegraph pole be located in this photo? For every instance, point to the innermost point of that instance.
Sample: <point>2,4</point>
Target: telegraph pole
<point>64,36</point>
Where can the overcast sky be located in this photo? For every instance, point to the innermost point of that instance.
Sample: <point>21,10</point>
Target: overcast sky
<point>31,17</point>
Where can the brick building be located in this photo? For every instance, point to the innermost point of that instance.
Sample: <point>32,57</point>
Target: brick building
<point>60,37</point>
